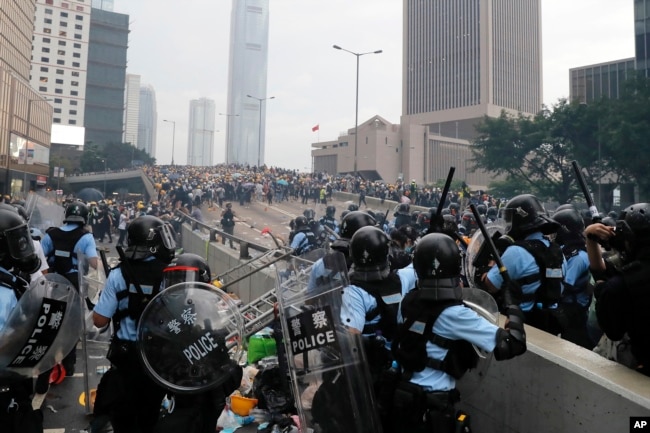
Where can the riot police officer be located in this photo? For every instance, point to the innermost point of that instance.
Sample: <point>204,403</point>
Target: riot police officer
<point>17,254</point>
<point>402,215</point>
<point>576,296</point>
<point>369,304</point>
<point>129,287</point>
<point>535,264</point>
<point>621,294</point>
<point>304,239</point>
<point>329,221</point>
<point>433,356</point>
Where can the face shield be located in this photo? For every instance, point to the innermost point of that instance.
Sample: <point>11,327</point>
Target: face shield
<point>20,249</point>
<point>182,274</point>
<point>167,236</point>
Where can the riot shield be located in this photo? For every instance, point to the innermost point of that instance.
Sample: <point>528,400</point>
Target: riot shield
<point>42,328</point>
<point>485,306</point>
<point>330,377</point>
<point>477,255</point>
<point>44,213</point>
<point>184,334</point>
<point>94,341</point>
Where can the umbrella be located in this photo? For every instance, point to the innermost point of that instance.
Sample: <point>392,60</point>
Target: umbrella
<point>282,182</point>
<point>90,194</point>
<point>236,174</point>
<point>248,185</point>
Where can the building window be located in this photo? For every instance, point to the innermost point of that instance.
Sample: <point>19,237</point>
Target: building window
<point>77,55</point>
<point>46,30</point>
<point>80,8</point>
<point>45,59</point>
<point>44,69</point>
<point>77,36</point>
<point>56,120</point>
<point>63,24</point>
<point>46,40</point>
<point>60,62</point>
<point>48,20</point>
<point>59,81</point>
<point>62,43</point>
<point>75,73</point>
<point>64,14</point>
<point>58,100</point>
<point>74,92</point>
<point>72,122</point>
<point>59,91</point>
<point>79,18</point>
<point>43,79</point>
<point>59,71</point>
<point>61,52</point>
<point>42,89</point>
<point>75,84</point>
<point>75,65</point>
<point>76,45</point>
<point>73,102</point>
<point>57,110</point>
<point>63,33</point>
<point>78,27</point>
<point>45,50</point>
<point>48,11</point>
<point>49,2</point>
<point>65,5</point>
<point>73,112</point>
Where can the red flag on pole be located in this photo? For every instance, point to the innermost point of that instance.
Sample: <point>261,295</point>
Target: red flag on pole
<point>315,128</point>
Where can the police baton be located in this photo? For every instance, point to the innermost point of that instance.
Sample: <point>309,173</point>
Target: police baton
<point>443,198</point>
<point>595,216</point>
<point>507,282</point>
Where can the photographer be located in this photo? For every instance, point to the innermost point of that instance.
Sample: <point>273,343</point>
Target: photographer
<point>622,299</point>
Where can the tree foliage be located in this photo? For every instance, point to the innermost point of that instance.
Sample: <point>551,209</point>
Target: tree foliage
<point>116,155</point>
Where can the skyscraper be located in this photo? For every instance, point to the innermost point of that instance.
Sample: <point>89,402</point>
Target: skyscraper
<point>200,140</point>
<point>245,126</point>
<point>642,35</point>
<point>147,120</point>
<point>463,60</point>
<point>131,109</point>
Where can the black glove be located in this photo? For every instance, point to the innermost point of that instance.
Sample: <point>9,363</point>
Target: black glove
<point>512,293</point>
<point>516,323</point>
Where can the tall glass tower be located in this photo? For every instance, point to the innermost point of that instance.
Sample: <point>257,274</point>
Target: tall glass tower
<point>147,120</point>
<point>245,125</point>
<point>200,141</point>
<point>642,35</point>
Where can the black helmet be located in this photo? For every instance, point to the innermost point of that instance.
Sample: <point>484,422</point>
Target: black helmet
<point>353,207</point>
<point>453,206</point>
<point>491,212</point>
<point>76,212</point>
<point>186,268</point>
<point>148,235</point>
<point>524,214</point>
<point>633,227</point>
<point>403,209</point>
<point>301,223</point>
<point>369,247</point>
<point>353,221</point>
<point>330,211</point>
<point>566,206</point>
<point>310,214</point>
<point>571,225</point>
<point>16,245</point>
<point>436,256</point>
<point>482,209</point>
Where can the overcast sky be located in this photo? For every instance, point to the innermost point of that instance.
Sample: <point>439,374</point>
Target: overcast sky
<point>181,49</point>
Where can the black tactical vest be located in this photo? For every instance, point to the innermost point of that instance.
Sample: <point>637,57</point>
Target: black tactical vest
<point>388,294</point>
<point>63,242</point>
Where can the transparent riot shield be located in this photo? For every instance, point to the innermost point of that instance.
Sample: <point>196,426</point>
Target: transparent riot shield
<point>44,213</point>
<point>476,254</point>
<point>328,369</point>
<point>42,328</point>
<point>188,337</point>
<point>94,341</point>
<point>485,306</point>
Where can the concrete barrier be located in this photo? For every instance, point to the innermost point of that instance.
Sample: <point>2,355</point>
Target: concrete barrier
<point>555,386</point>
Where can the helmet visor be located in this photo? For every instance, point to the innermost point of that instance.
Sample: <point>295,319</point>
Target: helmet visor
<point>167,236</point>
<point>20,245</point>
<point>180,274</point>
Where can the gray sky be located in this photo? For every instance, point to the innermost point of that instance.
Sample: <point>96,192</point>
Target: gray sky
<point>181,49</point>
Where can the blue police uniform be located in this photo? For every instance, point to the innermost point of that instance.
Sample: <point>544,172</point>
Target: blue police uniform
<point>8,300</point>
<point>577,275</point>
<point>520,263</point>
<point>109,304</point>
<point>300,242</point>
<point>85,244</point>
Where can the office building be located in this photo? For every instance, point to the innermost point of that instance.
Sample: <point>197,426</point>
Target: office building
<point>147,120</point>
<point>462,60</point>
<point>245,123</point>
<point>106,5</point>
<point>642,35</point>
<point>131,109</point>
<point>200,140</point>
<point>105,84</point>
<point>25,115</point>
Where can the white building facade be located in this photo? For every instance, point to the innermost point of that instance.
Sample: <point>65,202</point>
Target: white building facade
<point>131,109</point>
<point>147,120</point>
<point>200,140</point>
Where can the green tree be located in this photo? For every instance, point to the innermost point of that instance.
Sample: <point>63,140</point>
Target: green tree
<point>116,155</point>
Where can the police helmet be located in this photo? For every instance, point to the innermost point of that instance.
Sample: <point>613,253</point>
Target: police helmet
<point>566,206</point>
<point>571,225</point>
<point>16,245</point>
<point>436,256</point>
<point>301,223</point>
<point>76,212</point>
<point>524,214</point>
<point>453,206</point>
<point>185,268</point>
<point>353,221</point>
<point>344,213</point>
<point>330,211</point>
<point>482,209</point>
<point>491,212</point>
<point>403,209</point>
<point>353,207</point>
<point>148,235</point>
<point>310,214</point>
<point>634,228</point>
<point>369,248</point>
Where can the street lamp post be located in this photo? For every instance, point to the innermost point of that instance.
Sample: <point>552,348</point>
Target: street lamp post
<point>173,136</point>
<point>228,131</point>
<point>356,110</point>
<point>259,133</point>
<point>105,174</point>
<point>26,150</point>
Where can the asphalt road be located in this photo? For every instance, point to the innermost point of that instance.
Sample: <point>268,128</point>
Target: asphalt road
<point>63,409</point>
